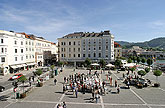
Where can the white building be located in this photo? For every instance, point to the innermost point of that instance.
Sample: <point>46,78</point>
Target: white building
<point>76,47</point>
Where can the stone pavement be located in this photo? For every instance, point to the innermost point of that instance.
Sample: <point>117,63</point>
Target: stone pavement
<point>50,95</point>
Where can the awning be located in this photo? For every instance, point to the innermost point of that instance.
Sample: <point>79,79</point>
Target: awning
<point>14,67</point>
<point>31,64</point>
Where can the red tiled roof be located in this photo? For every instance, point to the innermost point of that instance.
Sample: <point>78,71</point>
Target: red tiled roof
<point>116,44</point>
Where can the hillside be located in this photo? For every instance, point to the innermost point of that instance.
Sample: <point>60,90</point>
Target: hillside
<point>154,43</point>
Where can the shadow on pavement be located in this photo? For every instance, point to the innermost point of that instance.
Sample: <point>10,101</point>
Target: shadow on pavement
<point>3,98</point>
<point>59,92</point>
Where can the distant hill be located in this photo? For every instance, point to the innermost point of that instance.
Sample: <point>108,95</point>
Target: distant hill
<point>154,43</point>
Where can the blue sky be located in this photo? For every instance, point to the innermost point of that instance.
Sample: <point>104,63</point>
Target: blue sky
<point>128,20</point>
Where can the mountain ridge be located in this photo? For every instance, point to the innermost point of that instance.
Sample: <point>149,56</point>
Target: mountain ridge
<point>154,43</point>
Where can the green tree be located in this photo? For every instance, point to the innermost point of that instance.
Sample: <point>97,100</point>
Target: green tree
<point>117,63</point>
<point>147,69</point>
<point>38,72</point>
<point>129,60</point>
<point>134,58</point>
<point>87,62</point>
<point>102,63</point>
<point>60,63</point>
<point>149,62</point>
<point>138,59</point>
<point>141,72</point>
<point>22,79</point>
<point>157,73</point>
<point>143,60</point>
<point>132,69</point>
<point>52,68</point>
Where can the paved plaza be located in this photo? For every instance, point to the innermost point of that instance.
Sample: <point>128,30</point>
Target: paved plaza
<point>50,95</point>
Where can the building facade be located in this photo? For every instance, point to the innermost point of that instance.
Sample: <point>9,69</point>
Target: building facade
<point>76,47</point>
<point>19,51</point>
<point>117,50</point>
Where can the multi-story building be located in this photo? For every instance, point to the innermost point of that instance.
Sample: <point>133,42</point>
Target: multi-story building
<point>78,46</point>
<point>117,50</point>
<point>19,51</point>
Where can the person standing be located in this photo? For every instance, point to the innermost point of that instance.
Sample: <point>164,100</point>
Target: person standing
<point>55,81</point>
<point>128,84</point>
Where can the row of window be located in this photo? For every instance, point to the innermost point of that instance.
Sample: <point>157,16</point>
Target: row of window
<point>84,55</point>
<point>39,44</point>
<point>16,51</point>
<point>30,49</point>
<point>71,43</point>
<point>74,49</point>
<point>3,50</point>
<point>89,48</point>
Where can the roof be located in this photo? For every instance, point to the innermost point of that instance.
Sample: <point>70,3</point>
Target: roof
<point>116,44</point>
<point>87,34</point>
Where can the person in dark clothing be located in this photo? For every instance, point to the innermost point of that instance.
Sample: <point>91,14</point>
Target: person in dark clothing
<point>55,81</point>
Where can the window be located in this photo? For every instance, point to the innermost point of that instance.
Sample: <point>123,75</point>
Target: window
<point>29,43</point>
<point>94,54</point>
<point>89,48</point>
<point>106,55</point>
<point>94,48</point>
<point>2,59</point>
<point>61,43</point>
<point>2,50</point>
<point>32,43</point>
<point>22,58</point>
<point>15,50</point>
<point>21,43</point>
<point>33,56</point>
<point>30,56</point>
<point>15,58</point>
<point>69,43</point>
<point>26,57</point>
<point>74,49</point>
<point>84,48</point>
<point>83,55</point>
<point>78,42</point>
<point>89,55</point>
<point>61,49</point>
<point>26,43</point>
<point>99,47</point>
<point>26,49</point>
<point>99,54</point>
<point>21,50</point>
<point>69,55</point>
<point>61,55</point>
<point>5,49</point>
<point>74,43</point>
<point>1,40</point>
<point>15,42</point>
<point>69,49</point>
<point>64,43</point>
<point>74,55</point>
<point>106,47</point>
<point>78,55</point>
<point>78,49</point>
<point>64,49</point>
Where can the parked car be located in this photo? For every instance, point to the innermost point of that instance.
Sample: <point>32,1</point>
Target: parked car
<point>2,88</point>
<point>16,76</point>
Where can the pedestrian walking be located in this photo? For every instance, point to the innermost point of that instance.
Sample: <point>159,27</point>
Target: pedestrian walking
<point>115,83</point>
<point>55,81</point>
<point>30,83</point>
<point>97,96</point>
<point>64,105</point>
<point>33,78</point>
<point>128,84</point>
<point>118,89</point>
<point>76,92</point>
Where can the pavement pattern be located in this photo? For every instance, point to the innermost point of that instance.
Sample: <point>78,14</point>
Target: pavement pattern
<point>50,95</point>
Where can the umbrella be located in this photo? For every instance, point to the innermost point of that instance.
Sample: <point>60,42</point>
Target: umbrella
<point>95,64</point>
<point>110,65</point>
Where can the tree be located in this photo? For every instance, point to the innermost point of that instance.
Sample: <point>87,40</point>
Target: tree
<point>134,58</point>
<point>22,79</point>
<point>39,72</point>
<point>52,68</point>
<point>61,63</point>
<point>102,63</point>
<point>149,62</point>
<point>138,59</point>
<point>129,60</point>
<point>143,60</point>
<point>132,69</point>
<point>147,69</point>
<point>157,73</point>
<point>117,63</point>
<point>141,72</point>
<point>87,62</point>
